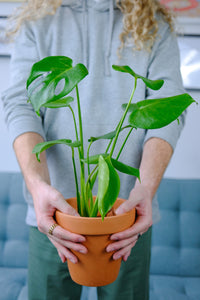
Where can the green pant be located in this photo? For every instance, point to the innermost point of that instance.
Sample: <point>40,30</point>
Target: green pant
<point>49,279</point>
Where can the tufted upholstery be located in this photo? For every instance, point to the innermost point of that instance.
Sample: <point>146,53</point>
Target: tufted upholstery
<point>13,238</point>
<point>175,263</point>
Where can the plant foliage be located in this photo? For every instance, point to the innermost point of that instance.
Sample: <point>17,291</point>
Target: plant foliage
<point>46,75</point>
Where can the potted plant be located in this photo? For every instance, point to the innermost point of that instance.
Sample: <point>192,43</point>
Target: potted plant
<point>42,85</point>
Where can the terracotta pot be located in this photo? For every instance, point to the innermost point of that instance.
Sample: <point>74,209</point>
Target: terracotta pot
<point>96,268</point>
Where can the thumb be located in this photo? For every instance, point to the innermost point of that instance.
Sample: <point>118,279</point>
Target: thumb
<point>124,207</point>
<point>64,207</point>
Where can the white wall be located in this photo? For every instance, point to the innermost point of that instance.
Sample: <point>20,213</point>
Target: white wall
<point>185,162</point>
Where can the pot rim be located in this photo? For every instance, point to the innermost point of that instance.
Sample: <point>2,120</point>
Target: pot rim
<point>110,224</point>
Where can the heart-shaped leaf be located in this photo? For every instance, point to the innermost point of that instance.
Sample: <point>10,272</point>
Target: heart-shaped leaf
<point>108,185</point>
<point>157,113</point>
<point>39,148</point>
<point>45,76</point>
<point>152,84</point>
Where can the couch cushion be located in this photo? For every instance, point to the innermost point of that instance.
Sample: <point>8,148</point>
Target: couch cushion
<point>13,230</point>
<point>174,288</point>
<point>12,283</point>
<point>176,238</point>
<point>13,238</point>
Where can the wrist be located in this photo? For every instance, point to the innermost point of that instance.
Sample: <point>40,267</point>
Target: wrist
<point>148,188</point>
<point>35,181</point>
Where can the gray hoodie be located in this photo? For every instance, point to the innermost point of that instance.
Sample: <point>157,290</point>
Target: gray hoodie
<point>88,32</point>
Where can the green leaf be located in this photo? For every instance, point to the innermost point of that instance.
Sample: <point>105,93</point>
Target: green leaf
<point>124,69</point>
<point>152,84</point>
<point>107,136</point>
<point>108,185</point>
<point>39,148</point>
<point>132,106</point>
<point>49,72</point>
<point>157,113</point>
<point>44,65</point>
<point>64,102</point>
<point>125,168</point>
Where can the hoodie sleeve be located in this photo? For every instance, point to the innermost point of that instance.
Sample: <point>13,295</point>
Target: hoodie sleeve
<point>19,115</point>
<point>165,64</point>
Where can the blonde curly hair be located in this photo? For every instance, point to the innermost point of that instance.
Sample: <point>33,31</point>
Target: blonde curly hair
<point>140,18</point>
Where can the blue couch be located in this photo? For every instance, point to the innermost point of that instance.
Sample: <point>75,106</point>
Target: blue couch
<point>175,263</point>
<point>13,238</point>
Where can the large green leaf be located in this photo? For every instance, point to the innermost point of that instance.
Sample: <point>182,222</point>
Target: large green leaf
<point>157,113</point>
<point>125,168</point>
<point>45,76</point>
<point>108,185</point>
<point>39,148</point>
<point>43,66</point>
<point>152,84</point>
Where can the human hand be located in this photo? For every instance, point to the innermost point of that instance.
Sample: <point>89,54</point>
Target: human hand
<point>46,201</point>
<point>124,241</point>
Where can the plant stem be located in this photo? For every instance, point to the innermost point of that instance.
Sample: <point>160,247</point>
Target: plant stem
<point>75,126</point>
<point>89,177</point>
<point>74,164</point>
<point>89,195</point>
<point>88,151</point>
<point>82,169</point>
<point>110,142</point>
<point>80,123</point>
<point>122,119</point>
<point>122,147</point>
<point>108,147</point>
<point>76,182</point>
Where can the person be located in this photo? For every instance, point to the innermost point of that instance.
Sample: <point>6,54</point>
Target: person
<point>98,34</point>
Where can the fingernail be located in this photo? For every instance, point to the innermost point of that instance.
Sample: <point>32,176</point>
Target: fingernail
<point>114,238</point>
<point>109,249</point>
<point>116,256</point>
<point>125,258</point>
<point>63,259</point>
<point>73,260</point>
<point>81,239</point>
<point>116,212</point>
<point>84,251</point>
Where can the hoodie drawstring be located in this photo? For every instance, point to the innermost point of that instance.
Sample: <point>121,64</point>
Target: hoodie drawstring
<point>109,39</point>
<point>102,5</point>
<point>85,35</point>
